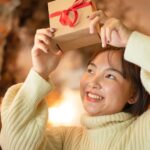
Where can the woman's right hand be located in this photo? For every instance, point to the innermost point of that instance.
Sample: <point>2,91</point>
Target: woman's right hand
<point>45,54</point>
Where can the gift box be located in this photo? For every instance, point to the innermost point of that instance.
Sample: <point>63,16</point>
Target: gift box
<point>70,18</point>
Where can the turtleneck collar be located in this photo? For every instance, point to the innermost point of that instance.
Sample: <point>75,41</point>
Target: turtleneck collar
<point>121,119</point>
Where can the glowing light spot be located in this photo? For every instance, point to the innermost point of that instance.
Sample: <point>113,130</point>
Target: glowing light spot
<point>68,111</point>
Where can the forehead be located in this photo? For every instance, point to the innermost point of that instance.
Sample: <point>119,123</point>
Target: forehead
<point>110,58</point>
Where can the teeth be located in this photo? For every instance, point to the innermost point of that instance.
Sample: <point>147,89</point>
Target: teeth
<point>95,96</point>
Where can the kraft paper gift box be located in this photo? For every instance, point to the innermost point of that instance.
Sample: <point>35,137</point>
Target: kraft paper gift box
<point>72,27</point>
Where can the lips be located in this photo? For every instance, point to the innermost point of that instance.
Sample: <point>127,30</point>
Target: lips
<point>92,97</point>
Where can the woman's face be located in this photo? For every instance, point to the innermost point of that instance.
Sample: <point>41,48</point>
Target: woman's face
<point>103,88</point>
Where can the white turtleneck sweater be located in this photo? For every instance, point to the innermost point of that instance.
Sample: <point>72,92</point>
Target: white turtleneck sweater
<point>24,116</point>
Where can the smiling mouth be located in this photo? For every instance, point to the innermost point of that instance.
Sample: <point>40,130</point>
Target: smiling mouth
<point>93,97</point>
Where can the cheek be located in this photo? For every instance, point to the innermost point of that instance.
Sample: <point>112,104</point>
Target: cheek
<point>110,87</point>
<point>113,90</point>
<point>116,95</point>
<point>118,92</point>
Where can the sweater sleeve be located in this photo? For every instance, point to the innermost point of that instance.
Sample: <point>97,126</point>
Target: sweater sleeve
<point>24,114</point>
<point>138,52</point>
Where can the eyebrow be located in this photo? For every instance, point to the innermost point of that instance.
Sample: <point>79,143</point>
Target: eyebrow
<point>92,64</point>
<point>108,69</point>
<point>115,70</point>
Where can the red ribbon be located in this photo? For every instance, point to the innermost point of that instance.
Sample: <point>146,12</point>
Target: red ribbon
<point>65,18</point>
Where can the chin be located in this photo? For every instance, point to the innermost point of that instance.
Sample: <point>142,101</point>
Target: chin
<point>91,113</point>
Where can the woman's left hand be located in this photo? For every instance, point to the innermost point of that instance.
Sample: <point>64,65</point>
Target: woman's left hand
<point>113,32</point>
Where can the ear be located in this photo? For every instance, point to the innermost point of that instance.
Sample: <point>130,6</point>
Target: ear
<point>132,99</point>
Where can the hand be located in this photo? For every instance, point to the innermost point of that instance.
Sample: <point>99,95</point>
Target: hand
<point>113,32</point>
<point>45,55</point>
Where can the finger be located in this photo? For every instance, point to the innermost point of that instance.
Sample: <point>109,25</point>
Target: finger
<point>40,45</point>
<point>96,13</point>
<point>108,34</point>
<point>93,15</point>
<point>103,38</point>
<point>100,14</point>
<point>42,37</point>
<point>52,29</point>
<point>59,53</point>
<point>110,26</point>
<point>35,51</point>
<point>47,31</point>
<point>93,24</point>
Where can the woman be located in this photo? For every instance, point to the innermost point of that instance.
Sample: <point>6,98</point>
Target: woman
<point>112,95</point>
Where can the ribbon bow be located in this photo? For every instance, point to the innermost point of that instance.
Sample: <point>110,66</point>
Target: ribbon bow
<point>65,18</point>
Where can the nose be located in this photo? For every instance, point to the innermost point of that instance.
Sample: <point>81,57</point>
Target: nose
<point>95,82</point>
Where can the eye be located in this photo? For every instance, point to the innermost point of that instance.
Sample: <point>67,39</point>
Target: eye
<point>110,76</point>
<point>90,70</point>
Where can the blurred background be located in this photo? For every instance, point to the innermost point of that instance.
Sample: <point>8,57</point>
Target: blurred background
<point>19,20</point>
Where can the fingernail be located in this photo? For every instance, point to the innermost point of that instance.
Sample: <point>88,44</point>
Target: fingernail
<point>52,29</point>
<point>103,45</point>
<point>91,30</point>
<point>59,52</point>
<point>89,17</point>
